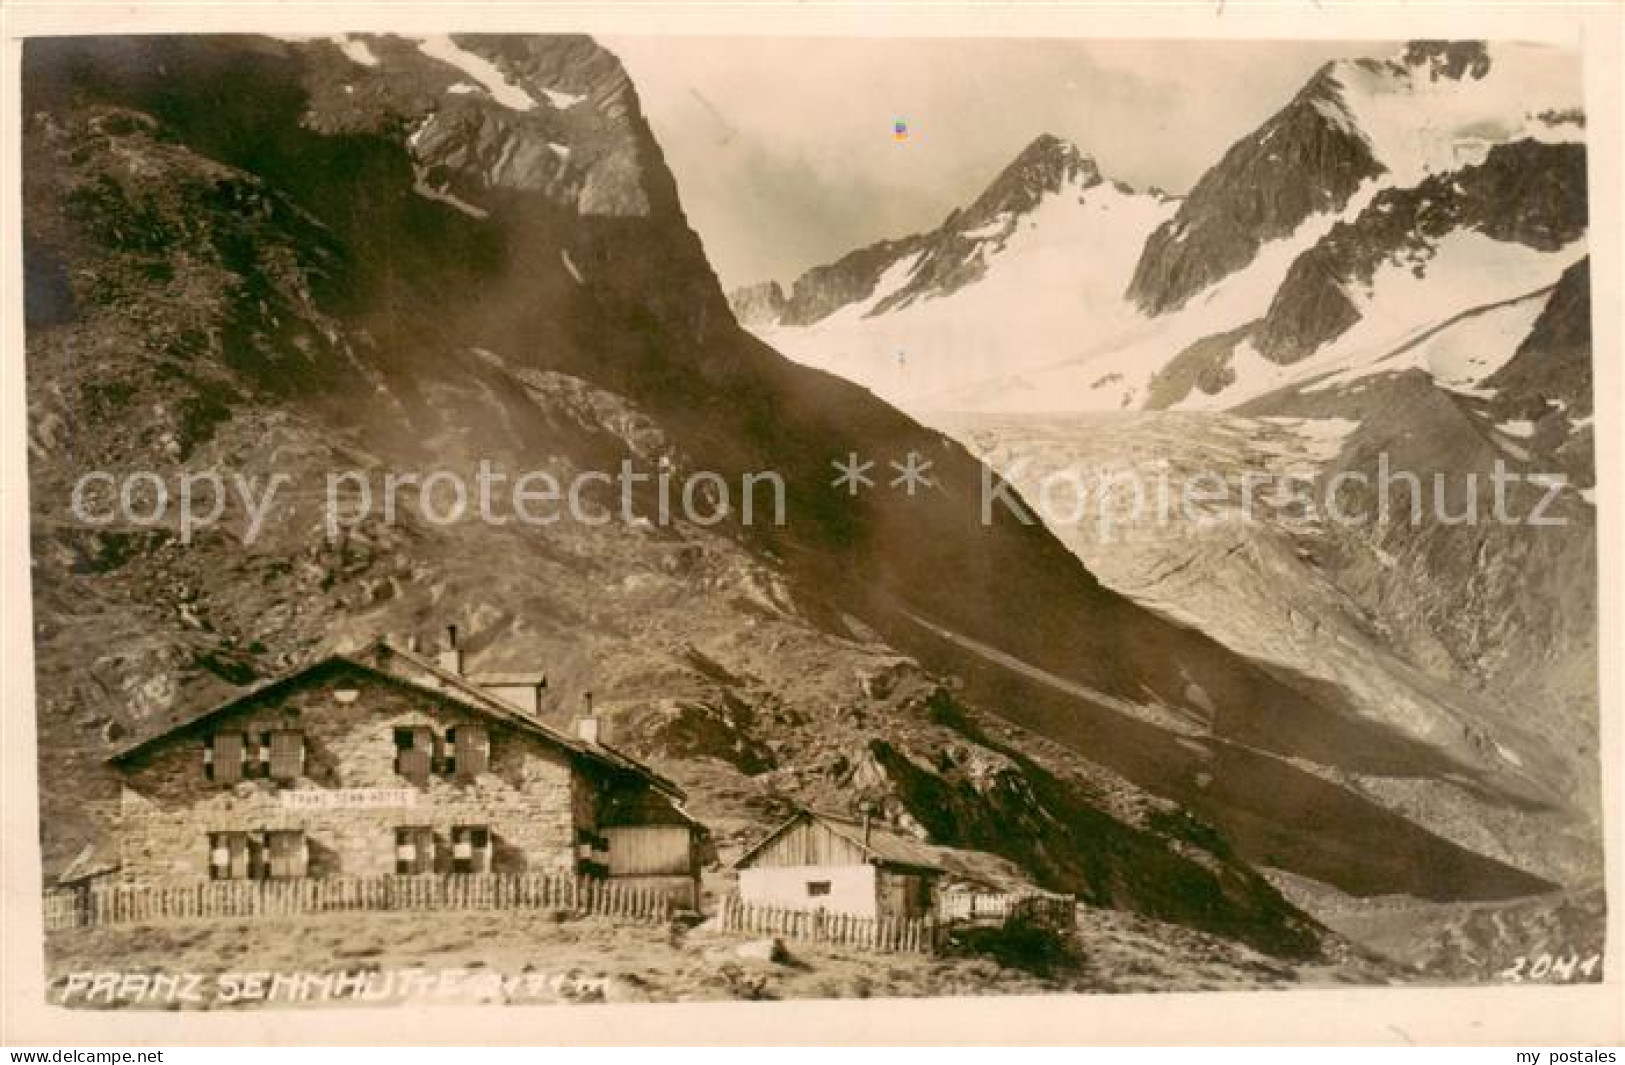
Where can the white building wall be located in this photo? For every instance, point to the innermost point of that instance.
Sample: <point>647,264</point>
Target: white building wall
<point>852,887</point>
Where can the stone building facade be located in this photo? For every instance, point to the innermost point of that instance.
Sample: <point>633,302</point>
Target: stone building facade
<point>385,764</point>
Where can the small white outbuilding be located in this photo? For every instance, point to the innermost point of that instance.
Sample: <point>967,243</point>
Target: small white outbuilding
<point>819,861</point>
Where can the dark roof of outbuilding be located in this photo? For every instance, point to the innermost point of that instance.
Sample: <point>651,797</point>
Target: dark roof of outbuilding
<point>538,680</point>
<point>883,846</point>
<point>89,864</point>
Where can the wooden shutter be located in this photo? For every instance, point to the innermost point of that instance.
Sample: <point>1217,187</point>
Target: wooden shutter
<point>414,851</point>
<point>289,855</point>
<point>414,761</point>
<point>473,751</point>
<point>405,855</point>
<point>228,757</point>
<point>219,856</point>
<point>287,754</point>
<point>279,854</point>
<point>471,849</point>
<point>228,856</point>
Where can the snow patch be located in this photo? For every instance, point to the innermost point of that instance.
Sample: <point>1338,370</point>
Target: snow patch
<point>1321,438</point>
<point>483,71</point>
<point>994,228</point>
<point>1417,126</point>
<point>1460,322</point>
<point>355,49</point>
<point>422,187</point>
<point>562,101</point>
<point>570,265</point>
<point>416,136</point>
<point>1461,354</point>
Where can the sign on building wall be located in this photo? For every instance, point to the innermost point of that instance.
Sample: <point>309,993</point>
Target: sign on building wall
<point>349,799</point>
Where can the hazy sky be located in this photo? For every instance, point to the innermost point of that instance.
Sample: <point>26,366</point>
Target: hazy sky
<point>783,147</point>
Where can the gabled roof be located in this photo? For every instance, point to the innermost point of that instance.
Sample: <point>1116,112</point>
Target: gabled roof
<point>884,847</point>
<point>449,686</point>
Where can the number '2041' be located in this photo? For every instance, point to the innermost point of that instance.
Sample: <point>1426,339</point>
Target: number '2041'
<point>1551,967</point>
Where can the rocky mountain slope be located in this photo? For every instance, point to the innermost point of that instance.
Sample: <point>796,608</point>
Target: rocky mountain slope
<point>383,254</point>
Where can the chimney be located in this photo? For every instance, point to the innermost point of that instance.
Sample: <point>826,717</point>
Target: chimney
<point>451,658</point>
<point>866,810</point>
<point>589,728</point>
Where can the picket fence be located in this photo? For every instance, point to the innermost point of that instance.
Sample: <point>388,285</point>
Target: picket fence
<point>917,936</point>
<point>104,904</point>
<point>1052,911</point>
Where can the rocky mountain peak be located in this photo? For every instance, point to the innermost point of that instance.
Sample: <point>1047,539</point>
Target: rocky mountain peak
<point>1454,60</point>
<point>489,115</point>
<point>1306,158</point>
<point>1044,167</point>
<point>1433,107</point>
<point>757,305</point>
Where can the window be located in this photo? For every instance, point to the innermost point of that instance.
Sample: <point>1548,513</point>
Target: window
<point>224,757</point>
<point>414,851</point>
<point>414,753</point>
<point>471,849</point>
<point>289,853</point>
<point>284,750</point>
<point>592,852</point>
<point>817,888</point>
<point>232,856</point>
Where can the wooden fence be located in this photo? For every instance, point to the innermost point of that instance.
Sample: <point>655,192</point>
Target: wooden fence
<point>1053,911</point>
<point>919,936</point>
<point>105,904</point>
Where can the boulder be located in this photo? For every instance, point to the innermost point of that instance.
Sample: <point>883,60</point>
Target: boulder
<point>770,949</point>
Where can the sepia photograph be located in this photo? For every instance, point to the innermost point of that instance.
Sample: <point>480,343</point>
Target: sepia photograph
<point>565,519</point>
